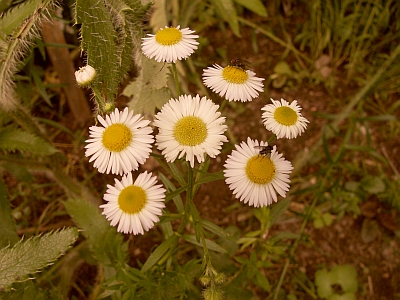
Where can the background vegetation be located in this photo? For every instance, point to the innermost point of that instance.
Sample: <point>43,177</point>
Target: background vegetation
<point>336,236</point>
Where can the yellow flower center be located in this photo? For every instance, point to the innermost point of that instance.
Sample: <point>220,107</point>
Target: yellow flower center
<point>132,199</point>
<point>190,131</point>
<point>168,36</point>
<point>116,137</point>
<point>234,74</point>
<point>285,116</point>
<point>260,169</point>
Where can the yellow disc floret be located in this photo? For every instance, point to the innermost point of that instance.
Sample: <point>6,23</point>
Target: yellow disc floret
<point>260,169</point>
<point>235,74</point>
<point>168,36</point>
<point>285,116</point>
<point>132,199</point>
<point>190,131</point>
<point>116,137</point>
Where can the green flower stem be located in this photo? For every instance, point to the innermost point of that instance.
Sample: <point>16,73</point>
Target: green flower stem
<point>195,216</point>
<point>271,139</point>
<point>223,105</point>
<point>101,104</point>
<point>175,71</point>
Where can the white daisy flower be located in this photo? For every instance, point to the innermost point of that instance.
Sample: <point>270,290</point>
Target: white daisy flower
<point>284,119</point>
<point>85,75</point>
<point>190,126</point>
<point>134,205</point>
<point>256,178</point>
<point>233,82</point>
<point>121,144</point>
<point>170,44</point>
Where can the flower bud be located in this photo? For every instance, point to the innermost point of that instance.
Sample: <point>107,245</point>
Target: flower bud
<point>85,75</point>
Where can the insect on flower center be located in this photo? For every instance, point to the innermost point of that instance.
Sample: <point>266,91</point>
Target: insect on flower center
<point>116,137</point>
<point>285,115</point>
<point>168,36</point>
<point>260,169</point>
<point>132,199</point>
<point>190,131</point>
<point>234,74</point>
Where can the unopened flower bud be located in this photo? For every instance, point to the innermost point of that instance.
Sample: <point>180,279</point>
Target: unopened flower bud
<point>85,75</point>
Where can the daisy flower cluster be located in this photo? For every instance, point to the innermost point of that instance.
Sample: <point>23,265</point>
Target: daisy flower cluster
<point>190,128</point>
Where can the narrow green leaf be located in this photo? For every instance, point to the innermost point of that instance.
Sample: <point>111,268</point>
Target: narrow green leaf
<point>16,16</point>
<point>27,257</point>
<point>8,235</point>
<point>159,252</point>
<point>254,5</point>
<point>191,238</point>
<point>215,229</point>
<point>106,243</point>
<point>175,192</point>
<point>12,139</point>
<point>227,11</point>
<point>278,209</point>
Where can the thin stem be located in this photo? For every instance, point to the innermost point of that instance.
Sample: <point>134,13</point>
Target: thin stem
<point>175,71</point>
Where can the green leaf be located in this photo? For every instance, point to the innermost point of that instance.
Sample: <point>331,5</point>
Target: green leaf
<point>12,139</point>
<point>254,5</point>
<point>27,257</point>
<point>157,254</point>
<point>191,238</point>
<point>323,282</point>
<point>99,41</point>
<point>106,243</point>
<point>16,16</point>
<point>346,277</point>
<point>150,89</point>
<point>7,224</point>
<point>214,228</point>
<point>373,184</point>
<point>278,209</point>
<point>227,11</point>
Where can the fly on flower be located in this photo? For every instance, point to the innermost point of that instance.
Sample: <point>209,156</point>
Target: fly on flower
<point>264,150</point>
<point>241,63</point>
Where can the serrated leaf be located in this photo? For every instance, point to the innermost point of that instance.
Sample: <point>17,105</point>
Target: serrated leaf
<point>12,139</point>
<point>104,240</point>
<point>149,90</point>
<point>190,238</point>
<point>98,41</point>
<point>7,224</point>
<point>27,257</point>
<point>16,16</point>
<point>254,5</point>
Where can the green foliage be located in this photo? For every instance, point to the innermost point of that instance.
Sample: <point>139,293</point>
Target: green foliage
<point>8,229</point>
<point>13,139</point>
<point>32,255</point>
<point>345,276</point>
<point>149,90</point>
<point>115,26</point>
<point>17,29</point>
<point>107,245</point>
